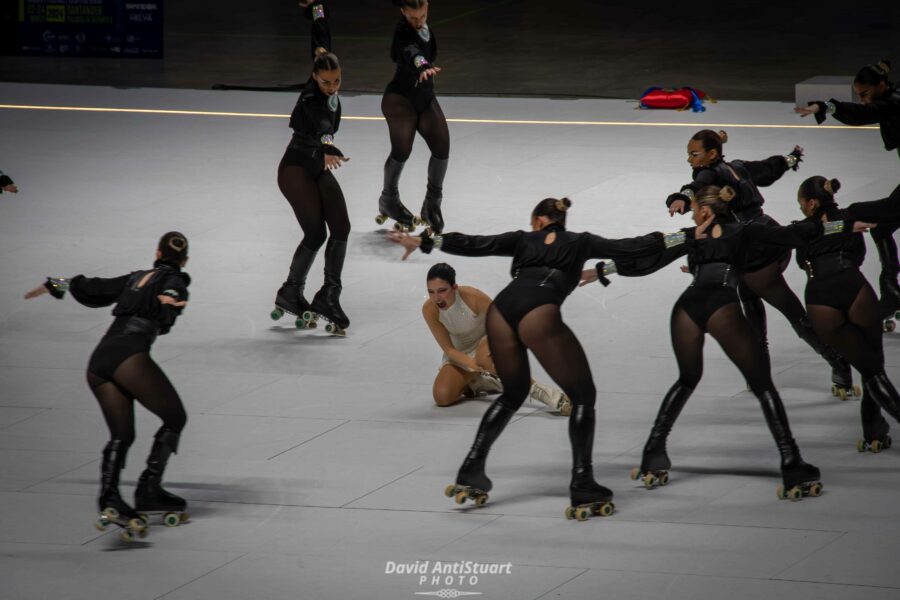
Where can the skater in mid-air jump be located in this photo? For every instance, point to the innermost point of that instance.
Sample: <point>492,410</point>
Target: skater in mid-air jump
<point>711,305</point>
<point>879,103</point>
<point>409,106</point>
<point>455,315</point>
<point>121,371</point>
<point>761,277</point>
<point>546,267</point>
<point>305,179</point>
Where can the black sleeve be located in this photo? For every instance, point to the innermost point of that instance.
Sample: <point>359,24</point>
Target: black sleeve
<point>411,54</point>
<point>765,172</point>
<point>318,13</point>
<point>95,292</point>
<point>792,236</point>
<point>461,244</point>
<point>175,286</point>
<point>319,123</point>
<point>702,178</point>
<point>645,265</point>
<point>851,113</point>
<point>625,248</point>
<point>886,210</point>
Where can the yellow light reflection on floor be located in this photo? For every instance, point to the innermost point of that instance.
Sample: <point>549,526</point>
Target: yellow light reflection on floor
<point>250,115</point>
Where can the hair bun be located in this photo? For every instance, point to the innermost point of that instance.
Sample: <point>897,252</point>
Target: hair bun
<point>884,65</point>
<point>562,205</point>
<point>723,136</point>
<point>177,243</point>
<point>832,186</point>
<point>727,194</point>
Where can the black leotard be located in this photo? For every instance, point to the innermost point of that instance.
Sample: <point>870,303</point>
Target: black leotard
<point>412,52</point>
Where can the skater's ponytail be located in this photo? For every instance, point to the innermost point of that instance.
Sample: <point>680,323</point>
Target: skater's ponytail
<point>711,140</point>
<point>173,248</point>
<point>442,271</point>
<point>553,208</point>
<point>821,189</point>
<point>874,74</point>
<point>716,198</point>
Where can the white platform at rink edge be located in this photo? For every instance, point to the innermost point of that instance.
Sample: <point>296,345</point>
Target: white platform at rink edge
<point>311,463</point>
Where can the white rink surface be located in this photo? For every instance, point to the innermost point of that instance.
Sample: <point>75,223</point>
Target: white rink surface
<point>310,462</point>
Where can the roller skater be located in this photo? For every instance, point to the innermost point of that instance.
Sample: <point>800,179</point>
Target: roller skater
<point>711,305</point>
<point>120,371</point>
<point>455,315</point>
<point>761,278</point>
<point>409,106</point>
<point>526,316</point>
<point>879,103</point>
<point>305,179</point>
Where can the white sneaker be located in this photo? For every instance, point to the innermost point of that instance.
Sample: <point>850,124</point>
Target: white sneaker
<point>486,384</point>
<point>552,397</point>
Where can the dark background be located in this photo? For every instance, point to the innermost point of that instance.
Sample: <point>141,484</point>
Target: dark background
<point>733,50</point>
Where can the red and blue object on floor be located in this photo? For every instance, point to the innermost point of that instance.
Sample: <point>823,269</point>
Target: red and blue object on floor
<point>677,99</point>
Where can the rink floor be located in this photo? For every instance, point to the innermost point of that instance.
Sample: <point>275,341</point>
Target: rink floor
<point>311,463</point>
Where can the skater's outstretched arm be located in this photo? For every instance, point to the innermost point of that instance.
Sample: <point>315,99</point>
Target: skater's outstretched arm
<point>851,113</point>
<point>460,244</point>
<point>93,292</point>
<point>801,233</point>
<point>766,172</point>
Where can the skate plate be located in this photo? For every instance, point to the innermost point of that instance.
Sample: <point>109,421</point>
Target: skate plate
<point>844,392</point>
<point>874,446</point>
<point>170,518</point>
<point>650,478</point>
<point>811,488</point>
<point>299,323</point>
<point>331,328</point>
<point>461,493</point>
<point>583,512</point>
<point>382,218</point>
<point>132,529</point>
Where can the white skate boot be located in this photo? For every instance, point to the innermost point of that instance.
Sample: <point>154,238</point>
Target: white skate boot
<point>485,384</point>
<point>555,399</point>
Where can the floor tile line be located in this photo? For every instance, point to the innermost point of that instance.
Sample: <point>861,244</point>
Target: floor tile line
<point>346,504</point>
<point>309,440</point>
<point>187,583</point>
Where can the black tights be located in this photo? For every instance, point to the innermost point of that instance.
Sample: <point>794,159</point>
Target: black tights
<point>734,334</point>
<point>137,378</point>
<point>768,283</point>
<point>857,335</point>
<point>403,123</point>
<point>316,203</point>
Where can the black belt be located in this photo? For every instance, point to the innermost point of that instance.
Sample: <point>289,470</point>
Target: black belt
<point>828,264</point>
<point>543,277</point>
<point>131,324</point>
<point>715,275</point>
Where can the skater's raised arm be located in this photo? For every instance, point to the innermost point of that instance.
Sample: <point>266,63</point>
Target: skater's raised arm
<point>318,12</point>
<point>93,292</point>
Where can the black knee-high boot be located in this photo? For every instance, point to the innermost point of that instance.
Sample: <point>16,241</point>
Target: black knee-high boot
<point>327,299</point>
<point>841,375</point>
<point>583,489</point>
<point>430,214</point>
<point>655,457</point>
<point>389,203</point>
<point>875,427</point>
<point>150,495</point>
<point>883,392</point>
<point>494,421</point>
<point>883,236</point>
<point>110,467</point>
<point>794,471</point>
<point>290,296</point>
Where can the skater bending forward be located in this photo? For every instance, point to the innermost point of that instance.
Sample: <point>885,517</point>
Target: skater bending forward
<point>120,371</point>
<point>455,315</point>
<point>525,315</point>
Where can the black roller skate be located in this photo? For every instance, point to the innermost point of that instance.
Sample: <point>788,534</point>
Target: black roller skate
<point>588,497</point>
<point>842,385</point>
<point>889,301</point>
<point>472,483</point>
<point>655,464</point>
<point>289,298</point>
<point>149,496</point>
<point>875,437</point>
<point>326,302</point>
<point>430,216</point>
<point>389,204</point>
<point>799,479</point>
<point>113,509</point>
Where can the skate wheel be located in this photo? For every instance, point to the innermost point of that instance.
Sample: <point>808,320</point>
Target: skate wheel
<point>582,514</point>
<point>649,480</point>
<point>876,446</point>
<point>815,490</point>
<point>794,494</point>
<point>111,514</point>
<point>889,326</point>
<point>380,219</point>
<point>185,517</point>
<point>101,524</point>
<point>480,499</point>
<point>126,536</point>
<point>171,520</point>
<point>570,513</point>
<point>605,509</point>
<point>145,518</point>
<point>779,491</point>
<point>450,490</point>
<point>841,393</point>
<point>276,314</point>
<point>330,328</point>
<point>857,391</point>
<point>137,524</point>
<point>860,445</point>
<point>635,473</point>
<point>664,478</point>
<point>460,497</point>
